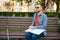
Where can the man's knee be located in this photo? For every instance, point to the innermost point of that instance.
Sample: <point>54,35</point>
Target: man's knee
<point>34,36</point>
<point>27,33</point>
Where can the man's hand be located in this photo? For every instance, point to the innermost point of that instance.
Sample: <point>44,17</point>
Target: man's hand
<point>31,27</point>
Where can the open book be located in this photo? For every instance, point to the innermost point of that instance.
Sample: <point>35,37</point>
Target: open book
<point>35,31</point>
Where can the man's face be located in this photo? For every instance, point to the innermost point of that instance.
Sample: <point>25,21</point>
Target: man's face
<point>38,8</point>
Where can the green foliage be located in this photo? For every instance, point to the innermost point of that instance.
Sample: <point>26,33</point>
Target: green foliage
<point>37,2</point>
<point>23,14</point>
<point>59,15</point>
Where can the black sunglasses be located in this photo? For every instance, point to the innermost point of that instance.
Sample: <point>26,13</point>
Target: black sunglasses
<point>36,7</point>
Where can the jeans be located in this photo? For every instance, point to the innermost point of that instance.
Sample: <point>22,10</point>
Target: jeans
<point>30,36</point>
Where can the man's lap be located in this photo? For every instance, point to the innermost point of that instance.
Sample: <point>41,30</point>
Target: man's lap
<point>34,35</point>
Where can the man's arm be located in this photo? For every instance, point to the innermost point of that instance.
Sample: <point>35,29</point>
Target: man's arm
<point>32,25</point>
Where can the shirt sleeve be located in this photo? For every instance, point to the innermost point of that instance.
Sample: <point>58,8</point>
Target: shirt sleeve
<point>33,20</point>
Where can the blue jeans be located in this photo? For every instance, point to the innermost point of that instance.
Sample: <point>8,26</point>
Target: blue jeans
<point>30,36</point>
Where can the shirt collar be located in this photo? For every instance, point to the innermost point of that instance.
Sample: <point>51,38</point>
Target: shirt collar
<point>40,14</point>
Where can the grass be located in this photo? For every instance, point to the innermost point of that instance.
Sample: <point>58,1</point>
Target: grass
<point>59,21</point>
<point>12,30</point>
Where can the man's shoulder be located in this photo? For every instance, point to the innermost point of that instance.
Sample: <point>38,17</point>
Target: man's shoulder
<point>44,14</point>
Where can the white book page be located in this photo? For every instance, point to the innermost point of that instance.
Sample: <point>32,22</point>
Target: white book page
<point>28,30</point>
<point>35,31</point>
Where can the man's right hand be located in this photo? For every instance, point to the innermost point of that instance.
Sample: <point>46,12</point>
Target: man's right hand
<point>31,27</point>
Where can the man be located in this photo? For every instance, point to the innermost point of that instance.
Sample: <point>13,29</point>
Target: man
<point>39,22</point>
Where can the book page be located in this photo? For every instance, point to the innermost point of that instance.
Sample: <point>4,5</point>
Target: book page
<point>28,30</point>
<point>35,31</point>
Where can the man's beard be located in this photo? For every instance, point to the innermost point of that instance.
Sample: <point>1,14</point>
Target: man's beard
<point>37,11</point>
